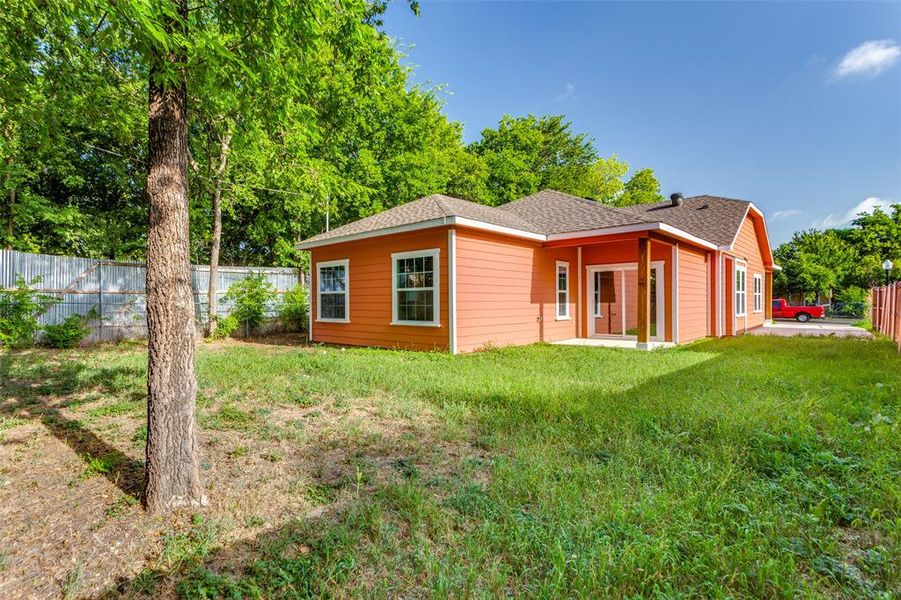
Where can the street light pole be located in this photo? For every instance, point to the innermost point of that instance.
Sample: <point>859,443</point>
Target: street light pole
<point>887,265</point>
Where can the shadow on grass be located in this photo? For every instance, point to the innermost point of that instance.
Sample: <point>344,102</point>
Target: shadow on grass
<point>748,394</point>
<point>38,393</point>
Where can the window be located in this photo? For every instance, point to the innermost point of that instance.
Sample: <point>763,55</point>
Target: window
<point>562,290</point>
<point>741,291</point>
<point>598,278</point>
<point>415,288</point>
<point>758,292</point>
<point>332,301</point>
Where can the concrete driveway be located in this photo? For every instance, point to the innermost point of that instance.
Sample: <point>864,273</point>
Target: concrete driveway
<point>836,327</point>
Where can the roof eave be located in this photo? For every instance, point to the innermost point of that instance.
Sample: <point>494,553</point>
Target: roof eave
<point>634,227</point>
<point>439,222</point>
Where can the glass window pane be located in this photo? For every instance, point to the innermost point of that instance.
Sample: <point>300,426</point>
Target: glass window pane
<point>332,306</point>
<point>416,305</point>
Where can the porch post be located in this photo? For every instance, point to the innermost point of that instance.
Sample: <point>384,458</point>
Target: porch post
<point>768,297</point>
<point>644,290</point>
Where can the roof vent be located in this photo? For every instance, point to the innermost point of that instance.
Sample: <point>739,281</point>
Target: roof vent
<point>676,199</point>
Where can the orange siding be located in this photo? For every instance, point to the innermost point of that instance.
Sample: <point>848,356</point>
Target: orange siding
<point>693,295</point>
<point>506,291</point>
<point>747,247</point>
<point>627,252</point>
<point>370,292</point>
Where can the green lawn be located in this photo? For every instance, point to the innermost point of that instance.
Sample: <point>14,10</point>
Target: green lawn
<point>745,467</point>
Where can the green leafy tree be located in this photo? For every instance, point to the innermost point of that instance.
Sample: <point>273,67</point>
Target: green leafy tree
<point>814,263</point>
<point>877,237</point>
<point>527,154</point>
<point>177,46</point>
<point>642,188</point>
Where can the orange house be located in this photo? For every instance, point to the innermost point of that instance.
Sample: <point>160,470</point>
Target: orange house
<point>441,273</point>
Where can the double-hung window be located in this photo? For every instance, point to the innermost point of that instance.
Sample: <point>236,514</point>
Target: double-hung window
<point>741,291</point>
<point>758,292</point>
<point>332,302</point>
<point>562,290</point>
<point>414,282</point>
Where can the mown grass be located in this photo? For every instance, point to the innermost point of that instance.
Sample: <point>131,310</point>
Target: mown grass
<point>746,467</point>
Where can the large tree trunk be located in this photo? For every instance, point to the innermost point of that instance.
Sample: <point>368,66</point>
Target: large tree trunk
<point>173,457</point>
<point>217,232</point>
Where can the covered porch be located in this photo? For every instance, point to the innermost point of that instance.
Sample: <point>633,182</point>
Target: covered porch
<point>627,288</point>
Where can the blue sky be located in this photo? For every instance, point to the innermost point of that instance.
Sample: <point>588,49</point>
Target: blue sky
<point>785,104</point>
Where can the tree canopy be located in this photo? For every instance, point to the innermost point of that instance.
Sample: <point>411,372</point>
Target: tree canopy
<point>324,126</point>
<point>836,262</point>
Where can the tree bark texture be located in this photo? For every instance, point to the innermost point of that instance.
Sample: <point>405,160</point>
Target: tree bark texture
<point>217,233</point>
<point>172,477</point>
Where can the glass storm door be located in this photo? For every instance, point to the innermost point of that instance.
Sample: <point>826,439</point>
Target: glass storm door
<point>613,302</point>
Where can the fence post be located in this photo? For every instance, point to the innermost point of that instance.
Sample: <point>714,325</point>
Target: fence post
<point>898,314</point>
<point>100,297</point>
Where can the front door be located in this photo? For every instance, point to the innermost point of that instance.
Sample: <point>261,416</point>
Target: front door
<point>613,301</point>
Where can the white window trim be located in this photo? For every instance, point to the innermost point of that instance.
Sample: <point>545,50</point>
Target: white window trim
<point>741,308</point>
<point>435,253</point>
<point>757,290</point>
<point>596,310</point>
<point>333,263</point>
<point>557,290</point>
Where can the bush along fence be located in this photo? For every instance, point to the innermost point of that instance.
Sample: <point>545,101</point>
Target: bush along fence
<point>109,295</point>
<point>886,311</point>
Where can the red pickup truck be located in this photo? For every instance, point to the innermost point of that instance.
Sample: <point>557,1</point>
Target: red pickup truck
<point>802,314</point>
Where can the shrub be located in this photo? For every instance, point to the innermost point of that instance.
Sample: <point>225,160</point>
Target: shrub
<point>19,311</point>
<point>850,302</point>
<point>250,296</point>
<point>67,334</point>
<point>225,327</point>
<point>294,309</point>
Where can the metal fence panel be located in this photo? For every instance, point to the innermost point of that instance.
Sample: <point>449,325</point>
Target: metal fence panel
<point>114,290</point>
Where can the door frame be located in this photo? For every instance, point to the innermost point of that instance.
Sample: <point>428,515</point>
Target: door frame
<point>590,270</point>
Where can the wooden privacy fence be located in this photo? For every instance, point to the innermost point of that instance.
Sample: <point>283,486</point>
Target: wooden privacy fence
<point>886,311</point>
<point>114,290</point>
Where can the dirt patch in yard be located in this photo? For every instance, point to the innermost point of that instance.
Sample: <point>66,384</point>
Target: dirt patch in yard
<point>71,467</point>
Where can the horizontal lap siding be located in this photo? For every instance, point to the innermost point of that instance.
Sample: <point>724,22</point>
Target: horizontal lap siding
<point>503,286</point>
<point>747,247</point>
<point>370,293</point>
<point>693,295</point>
<point>627,252</point>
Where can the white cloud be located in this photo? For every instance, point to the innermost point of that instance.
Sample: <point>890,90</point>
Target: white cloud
<point>870,58</point>
<point>781,215</point>
<point>864,206</point>
<point>568,93</point>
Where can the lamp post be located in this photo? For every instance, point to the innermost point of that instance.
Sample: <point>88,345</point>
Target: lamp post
<point>887,265</point>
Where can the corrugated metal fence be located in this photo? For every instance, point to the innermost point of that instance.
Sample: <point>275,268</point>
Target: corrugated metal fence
<point>115,290</point>
<point>886,312</point>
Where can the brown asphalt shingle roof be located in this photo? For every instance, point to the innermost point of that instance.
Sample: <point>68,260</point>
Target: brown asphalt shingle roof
<point>711,218</point>
<point>556,212</point>
<point>436,206</point>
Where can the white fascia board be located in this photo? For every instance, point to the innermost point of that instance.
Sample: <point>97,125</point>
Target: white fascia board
<point>656,226</point>
<point>463,221</point>
<point>539,237</point>
<point>686,236</point>
<point>439,222</point>
<point>374,233</point>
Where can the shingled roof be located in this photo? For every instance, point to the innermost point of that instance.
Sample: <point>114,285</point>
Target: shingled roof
<point>710,218</point>
<point>430,208</point>
<point>548,212</point>
<point>556,212</point>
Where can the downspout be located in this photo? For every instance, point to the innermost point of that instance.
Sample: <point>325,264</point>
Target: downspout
<point>452,290</point>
